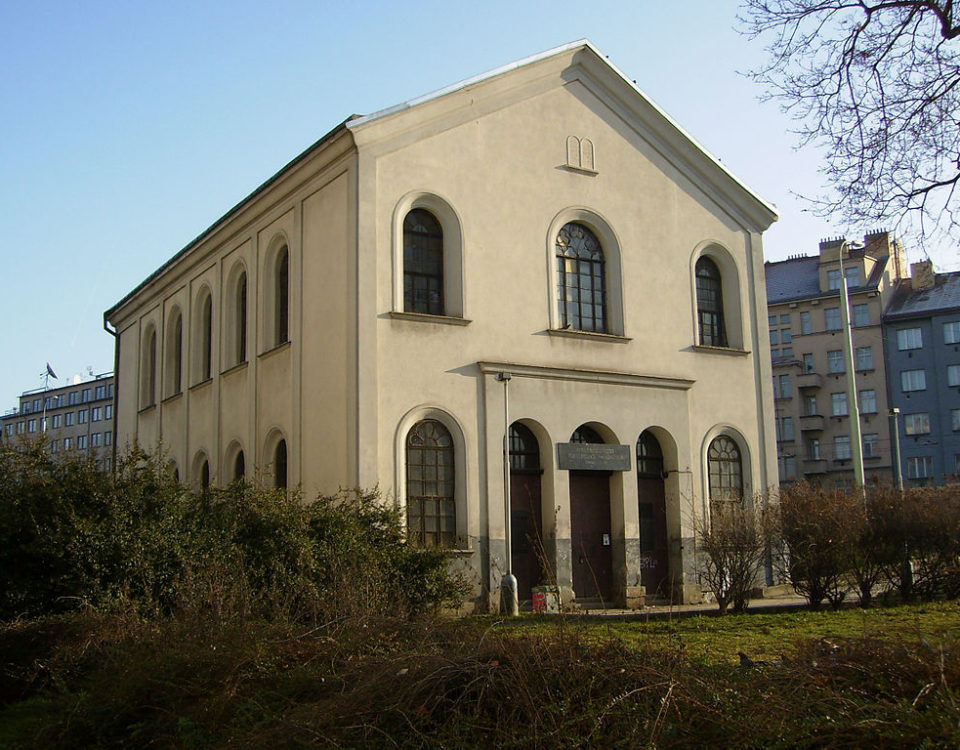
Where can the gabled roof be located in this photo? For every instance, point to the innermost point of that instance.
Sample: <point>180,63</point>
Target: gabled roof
<point>681,148</point>
<point>942,297</point>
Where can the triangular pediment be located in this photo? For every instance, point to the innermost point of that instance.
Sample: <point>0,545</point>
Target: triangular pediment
<point>579,67</point>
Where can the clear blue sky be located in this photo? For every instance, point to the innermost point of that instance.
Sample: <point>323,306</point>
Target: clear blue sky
<point>128,127</point>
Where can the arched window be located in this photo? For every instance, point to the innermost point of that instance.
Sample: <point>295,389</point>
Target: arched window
<point>239,467</point>
<point>422,263</point>
<point>148,369</point>
<point>280,465</point>
<point>585,434</point>
<point>725,468</point>
<point>174,355</point>
<point>240,320</point>
<point>524,449</point>
<point>205,475</point>
<point>281,297</point>
<point>649,456</point>
<point>710,322</point>
<point>431,507</point>
<point>203,339</point>
<point>581,289</point>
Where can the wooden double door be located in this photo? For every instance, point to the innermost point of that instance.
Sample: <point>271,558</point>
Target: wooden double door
<point>592,540</point>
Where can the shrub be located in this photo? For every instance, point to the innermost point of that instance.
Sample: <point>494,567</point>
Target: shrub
<point>71,534</point>
<point>819,533</point>
<point>734,544</point>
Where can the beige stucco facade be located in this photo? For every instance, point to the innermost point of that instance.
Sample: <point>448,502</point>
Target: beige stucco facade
<point>503,162</point>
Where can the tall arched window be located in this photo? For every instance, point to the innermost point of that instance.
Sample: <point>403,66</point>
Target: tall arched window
<point>524,449</point>
<point>240,320</point>
<point>710,304</point>
<point>282,297</point>
<point>174,355</point>
<point>649,456</point>
<point>422,263</point>
<point>205,475</point>
<point>280,465</point>
<point>725,468</point>
<point>431,507</point>
<point>148,369</point>
<point>581,289</point>
<point>206,338</point>
<point>239,467</point>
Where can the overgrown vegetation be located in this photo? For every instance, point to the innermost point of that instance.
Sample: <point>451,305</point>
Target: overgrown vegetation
<point>138,612</point>
<point>72,536</point>
<point>834,541</point>
<point>831,541</point>
<point>88,679</point>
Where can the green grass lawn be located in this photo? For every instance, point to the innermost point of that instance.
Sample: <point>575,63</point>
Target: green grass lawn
<point>717,640</point>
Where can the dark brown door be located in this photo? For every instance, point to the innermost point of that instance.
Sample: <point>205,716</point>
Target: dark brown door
<point>525,531</point>
<point>590,522</point>
<point>653,535</point>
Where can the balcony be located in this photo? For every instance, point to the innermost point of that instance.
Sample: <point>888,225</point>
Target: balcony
<point>807,380</point>
<point>814,466</point>
<point>812,423</point>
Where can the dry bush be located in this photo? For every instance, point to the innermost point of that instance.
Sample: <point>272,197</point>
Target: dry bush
<point>819,534</point>
<point>429,683</point>
<point>733,545</point>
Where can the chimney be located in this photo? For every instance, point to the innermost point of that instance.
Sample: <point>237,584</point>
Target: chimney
<point>922,275</point>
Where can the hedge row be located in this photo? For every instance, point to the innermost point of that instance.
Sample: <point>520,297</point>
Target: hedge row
<point>72,535</point>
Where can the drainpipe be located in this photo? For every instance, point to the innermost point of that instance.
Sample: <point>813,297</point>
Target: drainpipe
<point>116,391</point>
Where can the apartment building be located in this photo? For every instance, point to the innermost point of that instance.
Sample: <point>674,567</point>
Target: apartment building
<point>810,381</point>
<point>922,334</point>
<point>74,417</point>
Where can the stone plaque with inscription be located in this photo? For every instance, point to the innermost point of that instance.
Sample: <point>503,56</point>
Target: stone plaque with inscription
<point>593,457</point>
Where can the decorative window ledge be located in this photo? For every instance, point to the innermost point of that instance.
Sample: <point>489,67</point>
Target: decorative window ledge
<point>147,408</point>
<point>274,350</point>
<point>172,397</point>
<point>448,320</point>
<point>235,368</point>
<point>728,350</point>
<point>201,383</point>
<point>570,333</point>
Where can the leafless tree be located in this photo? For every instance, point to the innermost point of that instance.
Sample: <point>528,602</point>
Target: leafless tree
<point>876,86</point>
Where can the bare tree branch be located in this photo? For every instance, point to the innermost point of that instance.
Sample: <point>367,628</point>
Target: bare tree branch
<point>875,85</point>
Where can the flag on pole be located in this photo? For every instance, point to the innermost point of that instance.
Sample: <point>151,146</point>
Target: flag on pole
<point>50,372</point>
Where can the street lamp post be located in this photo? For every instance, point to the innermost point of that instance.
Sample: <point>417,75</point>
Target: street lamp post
<point>853,406</point>
<point>508,584</point>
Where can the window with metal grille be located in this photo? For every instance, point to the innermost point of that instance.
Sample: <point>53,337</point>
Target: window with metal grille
<point>431,505</point>
<point>524,450</point>
<point>725,469</point>
<point>710,304</point>
<point>581,289</point>
<point>649,456</point>
<point>422,263</point>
